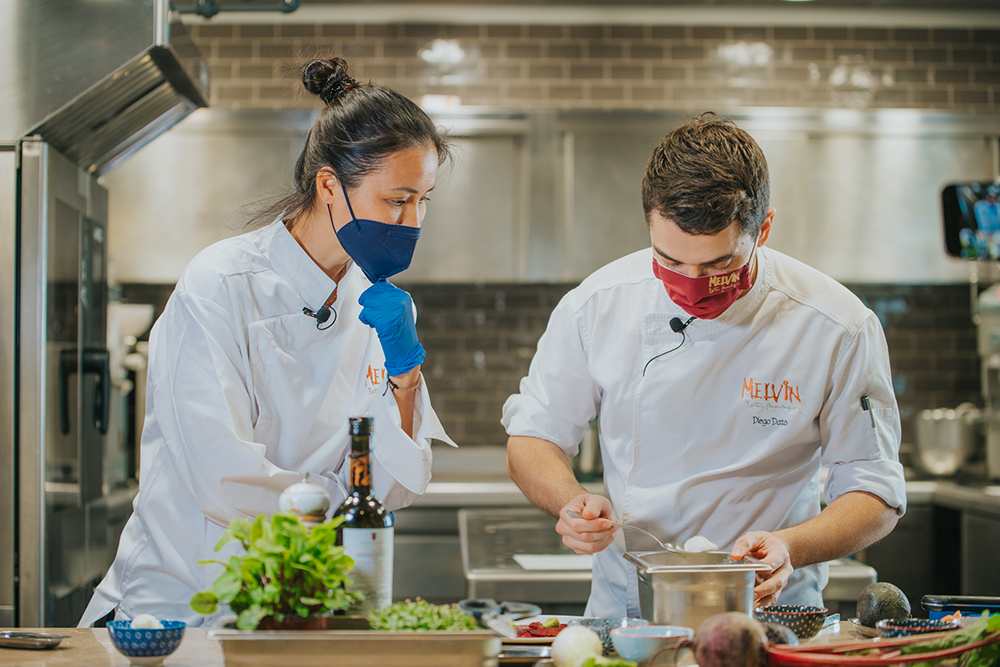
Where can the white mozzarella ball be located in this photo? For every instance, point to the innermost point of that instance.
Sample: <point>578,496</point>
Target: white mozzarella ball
<point>146,622</point>
<point>700,543</point>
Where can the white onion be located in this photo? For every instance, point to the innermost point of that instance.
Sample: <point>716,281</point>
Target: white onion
<point>574,646</point>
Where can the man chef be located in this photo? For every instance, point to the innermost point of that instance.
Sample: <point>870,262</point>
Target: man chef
<point>725,374</point>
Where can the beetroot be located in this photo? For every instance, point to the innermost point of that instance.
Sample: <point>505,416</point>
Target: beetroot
<point>732,639</point>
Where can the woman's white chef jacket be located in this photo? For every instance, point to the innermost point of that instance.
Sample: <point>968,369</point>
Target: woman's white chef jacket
<point>244,395</point>
<point>727,433</point>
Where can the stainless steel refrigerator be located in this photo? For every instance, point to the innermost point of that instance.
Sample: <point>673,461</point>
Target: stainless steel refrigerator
<point>85,86</point>
<point>68,520</point>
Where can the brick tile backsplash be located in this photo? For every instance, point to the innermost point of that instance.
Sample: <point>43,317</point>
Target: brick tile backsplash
<point>578,66</point>
<point>481,338</point>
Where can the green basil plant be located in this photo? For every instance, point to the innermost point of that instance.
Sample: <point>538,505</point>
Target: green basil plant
<point>288,570</point>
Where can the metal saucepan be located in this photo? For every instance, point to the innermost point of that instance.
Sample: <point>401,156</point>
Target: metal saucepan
<point>945,439</point>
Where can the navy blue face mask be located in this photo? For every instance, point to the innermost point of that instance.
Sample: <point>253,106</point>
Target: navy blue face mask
<point>380,249</point>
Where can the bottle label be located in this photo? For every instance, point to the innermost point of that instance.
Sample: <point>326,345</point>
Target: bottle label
<point>360,471</point>
<point>371,549</point>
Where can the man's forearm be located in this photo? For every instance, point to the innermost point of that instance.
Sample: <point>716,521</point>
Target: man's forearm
<point>850,523</point>
<point>542,472</point>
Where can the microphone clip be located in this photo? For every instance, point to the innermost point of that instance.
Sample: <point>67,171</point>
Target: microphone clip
<point>678,326</point>
<point>321,316</point>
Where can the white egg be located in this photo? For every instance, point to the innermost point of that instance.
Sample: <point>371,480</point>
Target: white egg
<point>146,622</point>
<point>699,543</point>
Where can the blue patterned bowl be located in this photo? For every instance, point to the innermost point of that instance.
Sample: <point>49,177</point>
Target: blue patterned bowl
<point>913,626</point>
<point>603,626</point>
<point>804,621</point>
<point>146,647</point>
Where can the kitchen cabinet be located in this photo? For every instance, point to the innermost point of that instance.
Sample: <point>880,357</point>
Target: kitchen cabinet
<point>945,544</point>
<point>427,566</point>
<point>919,555</point>
<point>427,556</point>
<point>980,546</point>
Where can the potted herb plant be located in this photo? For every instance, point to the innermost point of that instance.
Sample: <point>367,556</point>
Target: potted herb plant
<point>290,576</point>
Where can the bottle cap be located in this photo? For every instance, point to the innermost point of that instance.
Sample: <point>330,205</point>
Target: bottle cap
<point>361,425</point>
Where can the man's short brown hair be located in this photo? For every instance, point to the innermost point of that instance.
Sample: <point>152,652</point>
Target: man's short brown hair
<point>704,175</point>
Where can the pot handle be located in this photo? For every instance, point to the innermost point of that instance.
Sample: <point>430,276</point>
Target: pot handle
<point>969,409</point>
<point>684,644</point>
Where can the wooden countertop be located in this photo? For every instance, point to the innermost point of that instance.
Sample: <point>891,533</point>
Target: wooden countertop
<point>92,646</point>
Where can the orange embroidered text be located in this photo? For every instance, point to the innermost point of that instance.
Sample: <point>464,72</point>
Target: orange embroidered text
<point>374,377</point>
<point>770,391</point>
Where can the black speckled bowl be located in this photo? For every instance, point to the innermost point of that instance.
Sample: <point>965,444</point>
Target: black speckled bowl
<point>805,622</point>
<point>913,626</point>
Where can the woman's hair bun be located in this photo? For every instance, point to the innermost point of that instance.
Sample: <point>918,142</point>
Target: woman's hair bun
<point>327,78</point>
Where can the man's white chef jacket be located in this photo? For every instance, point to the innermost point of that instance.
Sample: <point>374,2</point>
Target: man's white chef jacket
<point>244,396</point>
<point>727,433</point>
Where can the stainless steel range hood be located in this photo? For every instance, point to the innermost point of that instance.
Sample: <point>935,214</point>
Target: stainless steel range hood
<point>96,79</point>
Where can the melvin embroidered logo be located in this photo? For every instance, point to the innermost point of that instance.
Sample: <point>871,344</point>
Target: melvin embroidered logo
<point>770,391</point>
<point>720,283</point>
<point>374,378</point>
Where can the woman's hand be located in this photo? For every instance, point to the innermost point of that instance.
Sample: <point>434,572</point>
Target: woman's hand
<point>593,532</point>
<point>389,310</point>
<point>770,549</point>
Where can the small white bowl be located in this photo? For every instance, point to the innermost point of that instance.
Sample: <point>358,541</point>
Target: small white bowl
<point>640,644</point>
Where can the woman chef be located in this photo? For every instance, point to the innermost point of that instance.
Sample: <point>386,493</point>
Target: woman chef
<point>272,339</point>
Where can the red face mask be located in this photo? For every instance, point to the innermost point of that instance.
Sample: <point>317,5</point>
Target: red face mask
<point>705,297</point>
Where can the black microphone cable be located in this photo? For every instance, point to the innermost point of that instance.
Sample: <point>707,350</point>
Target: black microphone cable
<point>321,316</point>
<point>677,326</point>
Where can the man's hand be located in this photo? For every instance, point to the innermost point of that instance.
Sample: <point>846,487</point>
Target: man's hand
<point>770,549</point>
<point>593,532</point>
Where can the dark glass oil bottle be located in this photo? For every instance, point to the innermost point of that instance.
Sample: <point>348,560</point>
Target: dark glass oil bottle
<point>367,529</point>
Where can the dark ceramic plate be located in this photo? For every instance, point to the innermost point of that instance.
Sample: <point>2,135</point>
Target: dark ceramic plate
<point>29,640</point>
<point>864,629</point>
<point>913,626</point>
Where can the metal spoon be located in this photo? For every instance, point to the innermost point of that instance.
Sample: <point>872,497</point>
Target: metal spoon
<point>669,546</point>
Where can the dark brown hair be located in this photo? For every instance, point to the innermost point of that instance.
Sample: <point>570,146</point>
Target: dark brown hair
<point>361,125</point>
<point>704,175</point>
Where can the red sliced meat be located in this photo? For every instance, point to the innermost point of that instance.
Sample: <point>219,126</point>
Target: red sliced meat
<point>538,630</point>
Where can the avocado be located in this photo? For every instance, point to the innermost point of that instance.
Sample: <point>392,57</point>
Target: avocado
<point>880,601</point>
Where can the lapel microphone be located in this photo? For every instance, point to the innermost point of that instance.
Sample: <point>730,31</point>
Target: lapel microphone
<point>677,325</point>
<point>321,316</point>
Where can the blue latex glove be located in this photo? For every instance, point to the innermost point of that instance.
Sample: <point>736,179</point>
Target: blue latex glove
<point>389,310</point>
